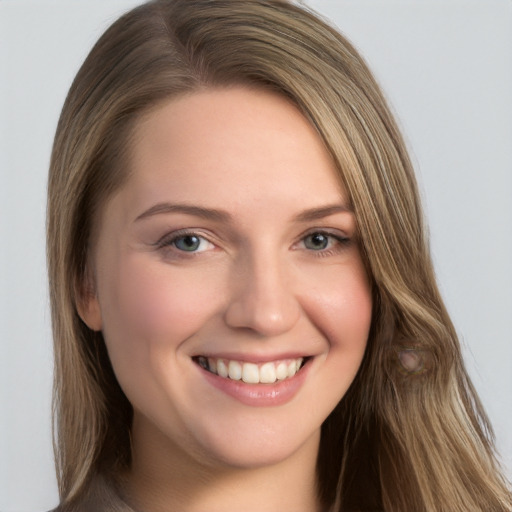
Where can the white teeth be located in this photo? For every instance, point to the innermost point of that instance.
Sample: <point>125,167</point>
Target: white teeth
<point>235,370</point>
<point>251,373</point>
<point>268,373</point>
<point>292,368</point>
<point>222,369</point>
<point>282,371</point>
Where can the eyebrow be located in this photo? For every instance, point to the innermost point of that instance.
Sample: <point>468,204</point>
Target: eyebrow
<point>324,211</point>
<point>223,216</point>
<point>196,211</point>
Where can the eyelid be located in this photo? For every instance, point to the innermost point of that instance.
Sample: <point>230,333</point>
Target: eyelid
<point>334,233</point>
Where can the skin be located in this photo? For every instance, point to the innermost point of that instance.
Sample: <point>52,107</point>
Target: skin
<point>258,286</point>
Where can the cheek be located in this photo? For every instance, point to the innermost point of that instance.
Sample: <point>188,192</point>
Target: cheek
<point>340,305</point>
<point>148,303</point>
<point>149,310</point>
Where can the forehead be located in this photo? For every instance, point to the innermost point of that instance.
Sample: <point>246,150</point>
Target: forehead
<point>222,145</point>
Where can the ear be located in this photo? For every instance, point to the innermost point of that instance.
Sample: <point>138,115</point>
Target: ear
<point>87,304</point>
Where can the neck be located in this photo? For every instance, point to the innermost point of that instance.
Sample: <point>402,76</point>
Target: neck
<point>165,479</point>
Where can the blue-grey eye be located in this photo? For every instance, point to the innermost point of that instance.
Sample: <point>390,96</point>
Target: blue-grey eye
<point>188,243</point>
<point>185,242</point>
<point>317,241</point>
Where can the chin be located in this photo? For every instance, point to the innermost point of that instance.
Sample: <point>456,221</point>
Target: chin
<point>259,447</point>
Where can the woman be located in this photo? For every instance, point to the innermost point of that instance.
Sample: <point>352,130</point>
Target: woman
<point>243,301</point>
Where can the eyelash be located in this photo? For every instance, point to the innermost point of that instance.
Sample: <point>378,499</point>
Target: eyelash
<point>336,242</point>
<point>169,241</point>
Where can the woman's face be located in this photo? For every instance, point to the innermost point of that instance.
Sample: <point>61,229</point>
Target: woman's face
<point>228,281</point>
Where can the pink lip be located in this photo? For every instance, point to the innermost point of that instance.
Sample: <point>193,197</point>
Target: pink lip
<point>259,395</point>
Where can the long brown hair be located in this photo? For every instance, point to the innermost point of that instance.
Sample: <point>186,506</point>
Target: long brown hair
<point>410,435</point>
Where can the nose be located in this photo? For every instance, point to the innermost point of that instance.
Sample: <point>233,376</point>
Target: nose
<point>262,299</point>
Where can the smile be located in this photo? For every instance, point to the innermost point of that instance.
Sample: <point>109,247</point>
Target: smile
<point>251,373</point>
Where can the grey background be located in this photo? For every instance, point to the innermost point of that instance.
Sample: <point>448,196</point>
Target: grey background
<point>446,67</point>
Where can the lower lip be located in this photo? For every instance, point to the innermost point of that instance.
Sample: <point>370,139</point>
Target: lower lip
<point>259,395</point>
